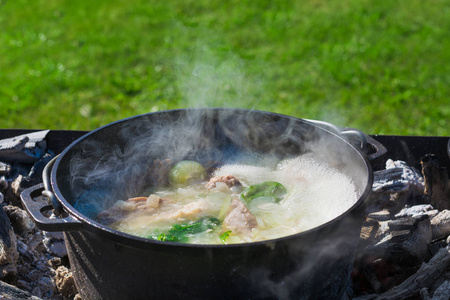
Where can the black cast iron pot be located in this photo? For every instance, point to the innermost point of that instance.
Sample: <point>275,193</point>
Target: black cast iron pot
<point>108,264</point>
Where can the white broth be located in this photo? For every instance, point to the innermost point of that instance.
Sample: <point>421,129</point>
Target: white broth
<point>315,194</point>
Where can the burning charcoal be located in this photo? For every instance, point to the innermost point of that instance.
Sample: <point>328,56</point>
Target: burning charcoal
<point>8,249</point>
<point>22,284</point>
<point>54,243</point>
<point>24,250</point>
<point>4,168</point>
<point>422,279</point>
<point>440,225</point>
<point>26,148</point>
<point>383,230</point>
<point>20,220</point>
<point>3,183</point>
<point>410,174</point>
<point>11,292</point>
<point>417,210</point>
<point>369,229</point>
<point>396,186</point>
<point>407,243</point>
<point>21,182</point>
<point>382,215</point>
<point>367,236</point>
<point>35,175</point>
<point>442,292</point>
<point>13,192</point>
<point>45,288</point>
<point>437,186</point>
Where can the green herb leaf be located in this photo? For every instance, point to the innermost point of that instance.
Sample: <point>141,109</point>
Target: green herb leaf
<point>224,236</point>
<point>182,232</point>
<point>270,189</point>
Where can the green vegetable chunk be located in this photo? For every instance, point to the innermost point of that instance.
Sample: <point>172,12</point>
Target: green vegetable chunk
<point>272,190</point>
<point>186,172</point>
<point>166,238</point>
<point>224,236</point>
<point>182,232</point>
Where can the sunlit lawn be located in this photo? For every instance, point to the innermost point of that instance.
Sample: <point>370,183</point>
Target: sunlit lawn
<point>380,66</point>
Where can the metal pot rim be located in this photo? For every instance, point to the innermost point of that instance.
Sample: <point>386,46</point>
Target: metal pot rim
<point>131,240</point>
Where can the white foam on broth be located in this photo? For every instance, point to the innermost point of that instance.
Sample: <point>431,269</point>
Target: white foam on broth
<point>316,194</point>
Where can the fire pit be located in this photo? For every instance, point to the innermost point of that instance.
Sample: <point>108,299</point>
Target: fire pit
<point>408,149</point>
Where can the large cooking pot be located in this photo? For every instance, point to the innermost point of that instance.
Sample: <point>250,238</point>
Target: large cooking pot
<point>108,264</point>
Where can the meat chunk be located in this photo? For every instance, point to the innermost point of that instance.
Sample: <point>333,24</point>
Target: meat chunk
<point>239,219</point>
<point>121,208</point>
<point>189,211</point>
<point>229,180</point>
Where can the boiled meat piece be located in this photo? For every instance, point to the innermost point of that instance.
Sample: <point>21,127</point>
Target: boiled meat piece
<point>121,208</point>
<point>229,180</point>
<point>239,219</point>
<point>189,211</point>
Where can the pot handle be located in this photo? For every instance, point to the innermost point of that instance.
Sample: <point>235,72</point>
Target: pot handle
<point>63,221</point>
<point>36,210</point>
<point>57,207</point>
<point>367,145</point>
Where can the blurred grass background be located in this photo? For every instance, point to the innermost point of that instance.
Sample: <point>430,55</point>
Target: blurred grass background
<point>380,66</point>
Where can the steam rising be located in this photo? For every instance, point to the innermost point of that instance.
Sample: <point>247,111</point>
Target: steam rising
<point>215,77</point>
<point>117,162</point>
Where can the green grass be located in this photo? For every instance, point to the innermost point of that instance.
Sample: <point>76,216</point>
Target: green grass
<point>380,66</point>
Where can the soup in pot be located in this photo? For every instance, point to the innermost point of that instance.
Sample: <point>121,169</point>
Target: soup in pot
<point>235,202</point>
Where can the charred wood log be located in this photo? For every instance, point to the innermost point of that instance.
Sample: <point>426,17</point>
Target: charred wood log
<point>440,225</point>
<point>436,182</point>
<point>8,249</point>
<point>397,185</point>
<point>423,278</point>
<point>406,242</point>
<point>27,148</point>
<point>8,291</point>
<point>4,168</point>
<point>441,293</point>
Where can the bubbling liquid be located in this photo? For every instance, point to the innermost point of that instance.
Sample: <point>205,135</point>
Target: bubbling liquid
<point>316,194</point>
